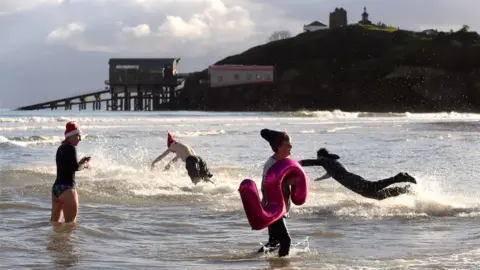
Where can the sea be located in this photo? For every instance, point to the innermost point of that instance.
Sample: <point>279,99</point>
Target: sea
<point>131,217</point>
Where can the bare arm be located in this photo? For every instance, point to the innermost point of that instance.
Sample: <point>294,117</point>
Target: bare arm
<point>161,156</point>
<point>325,176</point>
<point>171,162</point>
<point>175,159</point>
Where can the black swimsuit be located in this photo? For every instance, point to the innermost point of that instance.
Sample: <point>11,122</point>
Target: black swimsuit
<point>67,165</point>
<point>197,169</point>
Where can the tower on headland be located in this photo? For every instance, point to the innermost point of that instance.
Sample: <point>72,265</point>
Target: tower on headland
<point>365,17</point>
<point>338,18</point>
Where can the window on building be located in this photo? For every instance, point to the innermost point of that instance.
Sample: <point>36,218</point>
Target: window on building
<point>236,77</point>
<point>259,77</point>
<point>220,78</point>
<point>249,76</point>
<point>267,77</point>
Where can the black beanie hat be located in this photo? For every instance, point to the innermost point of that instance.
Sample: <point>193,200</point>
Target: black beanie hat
<point>274,138</point>
<point>322,152</point>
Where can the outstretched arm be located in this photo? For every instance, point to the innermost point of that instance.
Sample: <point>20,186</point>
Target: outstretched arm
<point>161,157</point>
<point>309,162</point>
<point>171,162</point>
<point>325,176</point>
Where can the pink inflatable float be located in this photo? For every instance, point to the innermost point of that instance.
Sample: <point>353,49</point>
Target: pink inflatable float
<point>260,217</point>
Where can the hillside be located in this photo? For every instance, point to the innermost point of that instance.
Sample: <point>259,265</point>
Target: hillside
<point>353,69</point>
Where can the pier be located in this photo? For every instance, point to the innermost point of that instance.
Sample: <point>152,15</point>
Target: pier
<point>81,100</point>
<point>139,84</point>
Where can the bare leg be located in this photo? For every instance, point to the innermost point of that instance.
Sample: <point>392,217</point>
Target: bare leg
<point>69,199</point>
<point>57,210</point>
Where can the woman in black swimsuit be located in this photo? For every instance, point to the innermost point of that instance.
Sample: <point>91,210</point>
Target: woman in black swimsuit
<point>374,190</point>
<point>64,195</point>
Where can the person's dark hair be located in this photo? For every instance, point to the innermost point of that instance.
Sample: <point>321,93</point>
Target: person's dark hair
<point>322,152</point>
<point>274,138</point>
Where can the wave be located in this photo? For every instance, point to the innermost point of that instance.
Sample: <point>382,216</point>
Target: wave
<point>118,119</point>
<point>381,115</point>
<point>36,140</point>
<point>429,200</point>
<point>124,177</point>
<point>331,130</point>
<point>335,129</point>
<point>108,182</point>
<point>335,114</point>
<point>198,133</point>
<point>163,133</point>
<point>26,141</point>
<point>338,114</point>
<point>6,143</point>
<point>233,117</point>
<point>32,119</point>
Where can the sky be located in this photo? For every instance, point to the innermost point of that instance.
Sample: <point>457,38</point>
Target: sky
<point>51,49</point>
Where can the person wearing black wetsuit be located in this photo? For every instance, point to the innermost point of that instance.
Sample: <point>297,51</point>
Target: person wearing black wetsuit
<point>374,190</point>
<point>64,195</point>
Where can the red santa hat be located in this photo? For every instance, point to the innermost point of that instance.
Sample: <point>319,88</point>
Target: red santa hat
<point>72,129</point>
<point>170,139</point>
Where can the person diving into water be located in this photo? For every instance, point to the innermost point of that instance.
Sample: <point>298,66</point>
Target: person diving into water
<point>370,189</point>
<point>196,167</point>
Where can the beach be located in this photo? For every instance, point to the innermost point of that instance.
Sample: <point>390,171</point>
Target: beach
<point>133,218</point>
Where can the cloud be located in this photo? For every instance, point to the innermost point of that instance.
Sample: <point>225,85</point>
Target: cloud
<point>140,30</point>
<point>12,6</point>
<point>71,40</point>
<point>210,24</point>
<point>194,27</point>
<point>66,32</point>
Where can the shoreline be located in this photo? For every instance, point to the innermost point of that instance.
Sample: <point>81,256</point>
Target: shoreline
<point>264,111</point>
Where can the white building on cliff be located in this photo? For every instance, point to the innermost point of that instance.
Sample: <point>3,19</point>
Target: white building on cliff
<point>228,75</point>
<point>314,26</point>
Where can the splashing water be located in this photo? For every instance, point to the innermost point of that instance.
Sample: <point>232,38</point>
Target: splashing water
<point>134,217</point>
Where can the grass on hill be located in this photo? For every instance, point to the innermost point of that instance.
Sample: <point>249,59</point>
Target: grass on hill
<point>378,28</point>
<point>356,68</point>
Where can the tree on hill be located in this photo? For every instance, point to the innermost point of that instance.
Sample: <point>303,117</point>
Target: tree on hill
<point>278,35</point>
<point>464,28</point>
<point>381,25</point>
